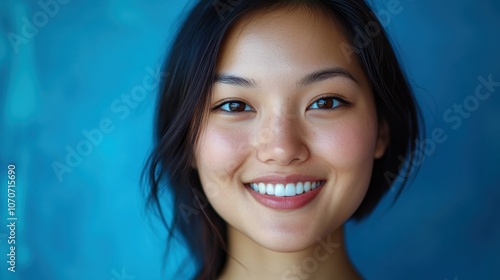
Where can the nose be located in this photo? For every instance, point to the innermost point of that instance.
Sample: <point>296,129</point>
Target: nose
<point>282,141</point>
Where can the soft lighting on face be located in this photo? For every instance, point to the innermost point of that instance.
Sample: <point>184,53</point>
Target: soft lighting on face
<point>283,74</point>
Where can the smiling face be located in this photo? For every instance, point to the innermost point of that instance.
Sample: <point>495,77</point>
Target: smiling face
<point>289,113</point>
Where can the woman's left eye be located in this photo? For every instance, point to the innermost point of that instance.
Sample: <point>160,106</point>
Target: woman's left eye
<point>327,103</point>
<point>234,106</point>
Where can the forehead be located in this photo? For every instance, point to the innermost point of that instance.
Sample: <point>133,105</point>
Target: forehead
<point>283,41</point>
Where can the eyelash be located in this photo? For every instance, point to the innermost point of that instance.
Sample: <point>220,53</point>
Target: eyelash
<point>339,100</point>
<point>229,101</point>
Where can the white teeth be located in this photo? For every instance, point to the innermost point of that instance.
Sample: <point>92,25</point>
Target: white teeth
<point>307,186</point>
<point>289,189</point>
<point>262,188</point>
<point>299,188</point>
<point>279,190</point>
<point>270,189</point>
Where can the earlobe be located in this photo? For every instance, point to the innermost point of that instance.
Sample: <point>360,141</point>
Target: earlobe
<point>382,139</point>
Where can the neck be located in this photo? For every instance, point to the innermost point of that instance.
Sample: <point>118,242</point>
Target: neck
<point>325,259</point>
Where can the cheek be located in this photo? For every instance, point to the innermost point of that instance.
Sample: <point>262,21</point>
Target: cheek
<point>349,143</point>
<point>347,148</point>
<point>220,151</point>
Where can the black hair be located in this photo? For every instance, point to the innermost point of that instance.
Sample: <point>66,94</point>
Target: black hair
<point>191,64</point>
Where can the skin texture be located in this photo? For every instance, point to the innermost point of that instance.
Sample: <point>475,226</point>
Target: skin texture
<point>282,134</point>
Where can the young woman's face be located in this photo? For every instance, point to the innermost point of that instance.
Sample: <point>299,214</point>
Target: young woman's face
<point>291,111</point>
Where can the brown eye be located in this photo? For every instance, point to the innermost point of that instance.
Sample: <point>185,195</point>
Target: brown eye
<point>327,103</point>
<point>235,106</point>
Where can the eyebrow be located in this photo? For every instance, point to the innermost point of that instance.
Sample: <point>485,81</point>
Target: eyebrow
<point>326,74</point>
<point>234,80</point>
<point>311,78</point>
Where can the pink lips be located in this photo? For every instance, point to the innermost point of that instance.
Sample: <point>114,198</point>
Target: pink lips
<point>286,202</point>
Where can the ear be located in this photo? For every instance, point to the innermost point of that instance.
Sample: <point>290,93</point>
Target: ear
<point>383,139</point>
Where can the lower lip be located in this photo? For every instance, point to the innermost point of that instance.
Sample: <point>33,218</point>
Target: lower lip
<point>286,202</point>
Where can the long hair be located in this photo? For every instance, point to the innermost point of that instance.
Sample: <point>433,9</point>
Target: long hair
<point>184,95</point>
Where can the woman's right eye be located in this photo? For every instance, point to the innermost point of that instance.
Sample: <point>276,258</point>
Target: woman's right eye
<point>234,106</point>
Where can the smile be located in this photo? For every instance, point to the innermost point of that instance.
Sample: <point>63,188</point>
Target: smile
<point>285,195</point>
<point>289,189</point>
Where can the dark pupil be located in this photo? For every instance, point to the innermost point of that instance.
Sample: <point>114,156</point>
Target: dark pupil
<point>236,106</point>
<point>325,103</point>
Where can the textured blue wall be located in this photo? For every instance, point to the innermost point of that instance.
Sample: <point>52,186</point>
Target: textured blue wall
<point>81,80</point>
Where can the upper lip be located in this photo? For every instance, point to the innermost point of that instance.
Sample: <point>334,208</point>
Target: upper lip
<point>285,178</point>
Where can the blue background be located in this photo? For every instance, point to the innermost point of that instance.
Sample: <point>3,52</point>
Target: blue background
<point>67,78</point>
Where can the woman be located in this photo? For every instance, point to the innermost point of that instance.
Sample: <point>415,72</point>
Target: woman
<point>278,122</point>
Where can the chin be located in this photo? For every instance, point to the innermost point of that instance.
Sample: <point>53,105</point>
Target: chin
<point>284,240</point>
